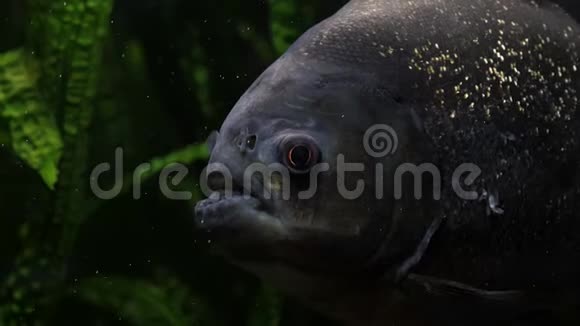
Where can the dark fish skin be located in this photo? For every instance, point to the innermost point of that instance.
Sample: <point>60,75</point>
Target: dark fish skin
<point>489,82</point>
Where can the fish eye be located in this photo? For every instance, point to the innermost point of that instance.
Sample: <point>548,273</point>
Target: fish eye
<point>300,154</point>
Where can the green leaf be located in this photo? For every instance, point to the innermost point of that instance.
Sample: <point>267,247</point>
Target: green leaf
<point>289,19</point>
<point>188,155</point>
<point>67,41</point>
<point>196,67</point>
<point>284,31</point>
<point>268,308</point>
<point>33,130</point>
<point>143,303</point>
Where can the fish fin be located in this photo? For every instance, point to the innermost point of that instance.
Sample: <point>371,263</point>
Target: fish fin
<point>447,288</point>
<point>412,261</point>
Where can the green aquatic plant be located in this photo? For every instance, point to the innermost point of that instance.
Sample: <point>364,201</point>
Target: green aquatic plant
<point>291,18</point>
<point>52,79</point>
<point>34,134</point>
<point>56,90</point>
<point>144,303</point>
<point>267,310</point>
<point>285,23</point>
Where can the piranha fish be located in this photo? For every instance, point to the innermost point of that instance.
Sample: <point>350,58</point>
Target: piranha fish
<point>412,162</point>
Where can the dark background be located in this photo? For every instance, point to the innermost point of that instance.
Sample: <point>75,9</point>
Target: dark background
<point>153,77</point>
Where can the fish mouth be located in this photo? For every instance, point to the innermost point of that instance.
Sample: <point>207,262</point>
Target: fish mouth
<point>224,210</point>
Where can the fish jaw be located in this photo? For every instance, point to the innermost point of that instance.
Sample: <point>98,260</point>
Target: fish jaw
<point>237,218</point>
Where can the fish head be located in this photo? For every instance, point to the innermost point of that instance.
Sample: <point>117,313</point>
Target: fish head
<point>293,175</point>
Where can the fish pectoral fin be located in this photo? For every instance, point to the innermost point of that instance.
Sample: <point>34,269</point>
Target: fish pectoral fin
<point>451,289</point>
<point>412,261</point>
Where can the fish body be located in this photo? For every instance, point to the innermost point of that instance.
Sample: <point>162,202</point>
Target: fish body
<point>486,86</point>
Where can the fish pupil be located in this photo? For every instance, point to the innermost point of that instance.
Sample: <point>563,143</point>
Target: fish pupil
<point>300,157</point>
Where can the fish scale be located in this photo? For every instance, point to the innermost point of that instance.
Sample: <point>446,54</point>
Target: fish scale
<point>486,82</point>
